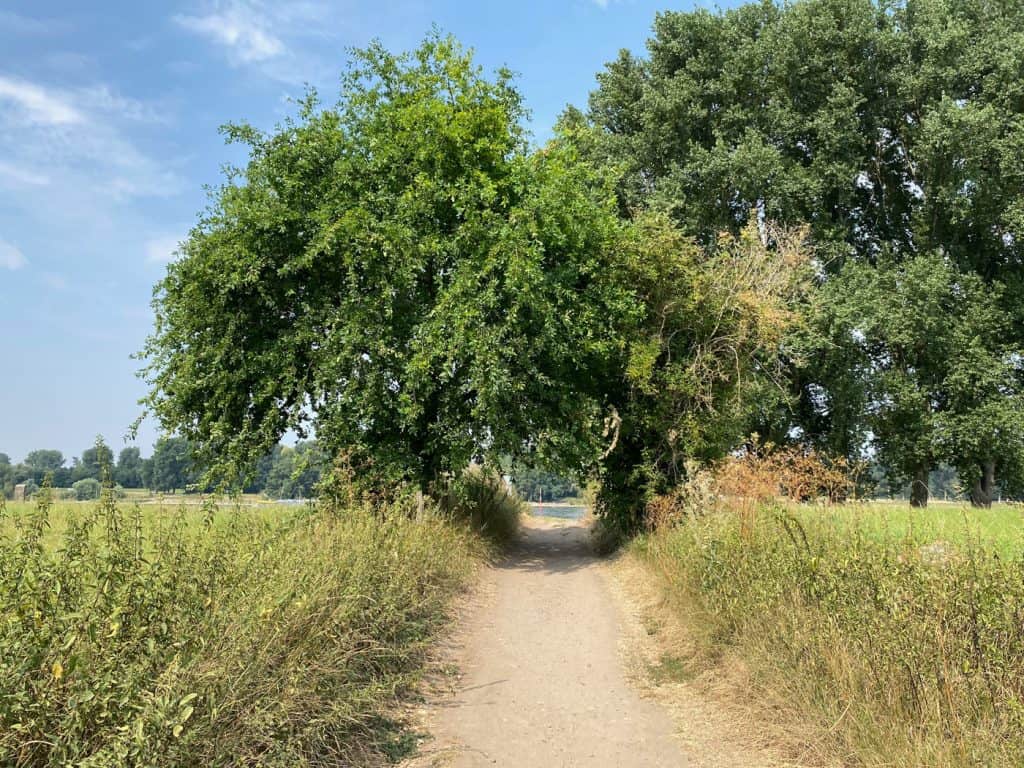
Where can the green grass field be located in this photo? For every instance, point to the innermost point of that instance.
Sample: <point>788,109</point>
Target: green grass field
<point>260,634</point>
<point>957,525</point>
<point>155,513</point>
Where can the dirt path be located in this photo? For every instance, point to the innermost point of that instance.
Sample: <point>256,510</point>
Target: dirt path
<point>542,678</point>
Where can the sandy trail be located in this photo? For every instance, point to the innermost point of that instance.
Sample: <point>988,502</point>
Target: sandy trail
<point>542,677</point>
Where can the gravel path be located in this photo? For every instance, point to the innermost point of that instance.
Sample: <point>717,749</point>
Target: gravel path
<point>542,681</point>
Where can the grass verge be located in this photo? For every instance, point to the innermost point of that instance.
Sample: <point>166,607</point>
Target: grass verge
<point>879,650</point>
<point>216,639</point>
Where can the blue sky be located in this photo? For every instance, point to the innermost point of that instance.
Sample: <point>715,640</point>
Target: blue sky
<point>108,133</point>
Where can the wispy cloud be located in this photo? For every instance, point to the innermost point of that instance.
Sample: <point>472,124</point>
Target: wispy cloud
<point>269,37</point>
<point>242,28</point>
<point>81,136</point>
<point>37,104</point>
<point>162,249</point>
<point>10,257</point>
<point>22,176</point>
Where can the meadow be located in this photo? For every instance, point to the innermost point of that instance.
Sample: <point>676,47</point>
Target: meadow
<point>269,635</point>
<point>154,513</point>
<point>957,525</point>
<point>882,635</point>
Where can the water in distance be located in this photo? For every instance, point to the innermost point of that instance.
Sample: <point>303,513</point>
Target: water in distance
<point>555,510</point>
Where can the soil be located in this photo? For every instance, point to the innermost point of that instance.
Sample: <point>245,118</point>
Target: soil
<point>549,672</point>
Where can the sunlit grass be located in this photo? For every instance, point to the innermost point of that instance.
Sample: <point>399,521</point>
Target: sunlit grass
<point>895,634</point>
<point>271,635</point>
<point>1000,528</point>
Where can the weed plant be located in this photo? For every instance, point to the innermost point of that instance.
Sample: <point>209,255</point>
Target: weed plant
<point>253,641</point>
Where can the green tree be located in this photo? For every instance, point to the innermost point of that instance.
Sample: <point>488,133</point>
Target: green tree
<point>146,473</point>
<point>295,471</point>
<point>258,480</point>
<point>172,466</point>
<point>42,462</point>
<point>892,129</point>
<point>128,472</point>
<point>535,484</point>
<point>93,461</point>
<point>943,381</point>
<point>706,344</point>
<point>87,489</point>
<point>399,274</point>
<point>6,475</point>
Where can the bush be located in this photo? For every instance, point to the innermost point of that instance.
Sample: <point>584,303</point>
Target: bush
<point>901,654</point>
<point>244,642</point>
<point>87,489</point>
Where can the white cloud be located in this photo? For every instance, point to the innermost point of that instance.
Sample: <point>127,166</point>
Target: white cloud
<point>82,137</point>
<point>24,176</point>
<point>276,38</point>
<point>162,249</point>
<point>38,104</point>
<point>241,27</point>
<point>103,99</point>
<point>10,257</point>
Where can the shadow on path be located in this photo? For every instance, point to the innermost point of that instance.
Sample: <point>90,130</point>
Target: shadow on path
<point>558,548</point>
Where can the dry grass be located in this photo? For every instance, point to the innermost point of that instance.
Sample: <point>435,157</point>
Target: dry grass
<point>858,650</point>
<point>221,639</point>
<point>717,711</point>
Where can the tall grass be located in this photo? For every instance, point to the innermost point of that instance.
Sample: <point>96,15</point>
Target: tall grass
<point>482,499</point>
<point>899,654</point>
<point>239,640</point>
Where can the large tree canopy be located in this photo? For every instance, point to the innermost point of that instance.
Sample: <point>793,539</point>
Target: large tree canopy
<point>402,276</point>
<point>398,274</point>
<point>893,129</point>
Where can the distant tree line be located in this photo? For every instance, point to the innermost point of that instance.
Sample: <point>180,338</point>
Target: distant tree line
<point>535,484</point>
<point>285,472</point>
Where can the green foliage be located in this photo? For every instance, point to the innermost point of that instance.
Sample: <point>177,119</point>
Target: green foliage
<point>6,476</point>
<point>535,484</point>
<point>94,462</point>
<point>294,472</point>
<point>87,489</point>
<point>892,130</point>
<point>212,639</point>
<point>128,472</point>
<point>897,653</point>
<point>941,374</point>
<point>44,461</point>
<point>884,126</point>
<point>396,272</point>
<point>172,466</point>
<point>705,346</point>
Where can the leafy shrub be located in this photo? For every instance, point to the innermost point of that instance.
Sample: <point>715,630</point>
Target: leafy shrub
<point>238,643</point>
<point>87,489</point>
<point>901,654</point>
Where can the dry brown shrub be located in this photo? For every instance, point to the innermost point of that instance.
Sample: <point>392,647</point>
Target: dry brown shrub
<point>798,473</point>
<point>760,474</point>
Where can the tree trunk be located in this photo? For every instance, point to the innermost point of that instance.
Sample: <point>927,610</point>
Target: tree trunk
<point>985,485</point>
<point>919,488</point>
